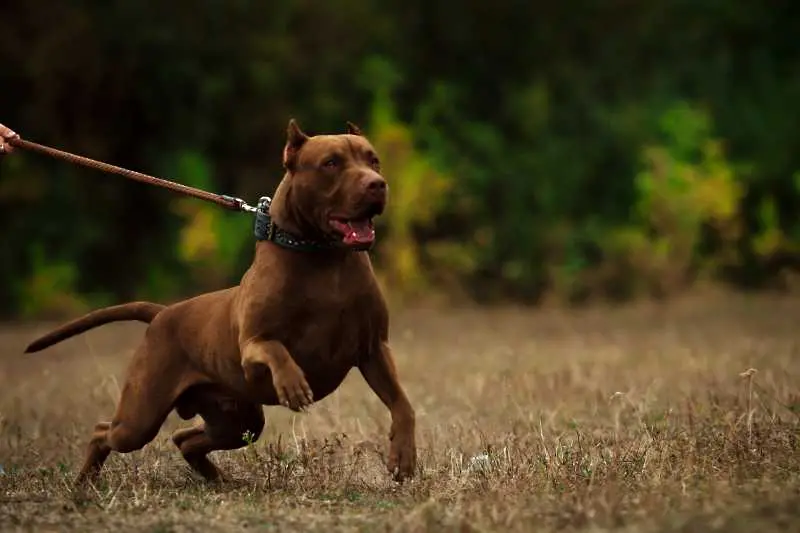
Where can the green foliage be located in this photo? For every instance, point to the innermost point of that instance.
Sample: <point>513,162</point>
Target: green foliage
<point>531,153</point>
<point>773,239</point>
<point>211,240</point>
<point>686,186</point>
<point>208,243</point>
<point>50,288</point>
<point>417,194</point>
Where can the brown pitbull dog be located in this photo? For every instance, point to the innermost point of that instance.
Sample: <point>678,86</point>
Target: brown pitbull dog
<point>288,334</point>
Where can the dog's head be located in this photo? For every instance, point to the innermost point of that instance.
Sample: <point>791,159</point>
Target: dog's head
<point>332,188</point>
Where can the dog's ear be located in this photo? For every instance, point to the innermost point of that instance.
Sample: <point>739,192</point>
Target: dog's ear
<point>352,129</point>
<point>295,139</point>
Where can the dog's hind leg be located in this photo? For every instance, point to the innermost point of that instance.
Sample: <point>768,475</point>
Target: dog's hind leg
<point>96,453</point>
<point>153,383</point>
<point>228,424</point>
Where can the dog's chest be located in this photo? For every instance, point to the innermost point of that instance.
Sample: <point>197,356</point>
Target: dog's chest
<point>334,330</point>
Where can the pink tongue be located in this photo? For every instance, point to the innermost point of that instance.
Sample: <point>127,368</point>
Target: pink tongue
<point>363,230</point>
<point>359,231</point>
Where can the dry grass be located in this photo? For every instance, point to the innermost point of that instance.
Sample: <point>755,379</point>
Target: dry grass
<point>634,419</point>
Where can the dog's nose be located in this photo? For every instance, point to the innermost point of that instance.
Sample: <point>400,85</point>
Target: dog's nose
<point>376,184</point>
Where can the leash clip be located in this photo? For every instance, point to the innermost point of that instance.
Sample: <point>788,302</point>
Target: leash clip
<point>264,228</point>
<point>263,207</point>
<point>239,204</point>
<point>263,204</point>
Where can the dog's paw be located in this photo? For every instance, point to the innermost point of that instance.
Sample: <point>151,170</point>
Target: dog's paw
<point>402,457</point>
<point>292,388</point>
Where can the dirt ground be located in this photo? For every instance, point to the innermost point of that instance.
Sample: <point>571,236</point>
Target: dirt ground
<point>630,419</point>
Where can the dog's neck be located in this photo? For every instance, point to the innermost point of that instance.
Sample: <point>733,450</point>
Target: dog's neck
<point>277,221</point>
<point>291,217</point>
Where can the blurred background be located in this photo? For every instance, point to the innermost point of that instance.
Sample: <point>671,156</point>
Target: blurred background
<point>593,151</point>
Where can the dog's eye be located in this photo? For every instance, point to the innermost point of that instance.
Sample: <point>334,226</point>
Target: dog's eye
<point>331,163</point>
<point>375,162</point>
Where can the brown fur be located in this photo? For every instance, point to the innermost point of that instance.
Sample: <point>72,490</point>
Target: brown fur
<point>288,334</point>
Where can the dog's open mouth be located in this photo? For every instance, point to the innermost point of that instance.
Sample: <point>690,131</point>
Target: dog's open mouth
<point>356,232</point>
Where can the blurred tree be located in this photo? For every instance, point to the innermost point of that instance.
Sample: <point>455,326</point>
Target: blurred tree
<point>538,112</point>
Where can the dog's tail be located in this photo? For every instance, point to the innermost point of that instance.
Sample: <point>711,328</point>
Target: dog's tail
<point>139,311</point>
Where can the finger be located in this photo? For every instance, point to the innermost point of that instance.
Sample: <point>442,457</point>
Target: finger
<point>308,392</point>
<point>296,400</point>
<point>281,395</point>
<point>302,397</point>
<point>308,398</point>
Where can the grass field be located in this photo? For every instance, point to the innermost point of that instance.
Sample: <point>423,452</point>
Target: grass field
<point>630,419</point>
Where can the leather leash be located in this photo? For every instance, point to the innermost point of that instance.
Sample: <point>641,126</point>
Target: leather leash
<point>228,202</point>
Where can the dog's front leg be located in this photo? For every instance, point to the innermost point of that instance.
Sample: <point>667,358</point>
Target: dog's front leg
<point>380,374</point>
<point>290,383</point>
